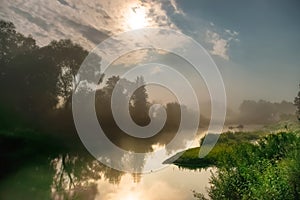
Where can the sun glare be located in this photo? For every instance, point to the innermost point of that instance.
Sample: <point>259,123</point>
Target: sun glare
<point>136,18</point>
<point>131,197</point>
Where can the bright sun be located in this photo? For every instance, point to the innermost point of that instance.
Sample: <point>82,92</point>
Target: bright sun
<point>136,18</point>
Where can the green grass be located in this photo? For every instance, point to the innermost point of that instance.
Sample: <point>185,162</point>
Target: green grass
<point>266,169</point>
<point>226,142</point>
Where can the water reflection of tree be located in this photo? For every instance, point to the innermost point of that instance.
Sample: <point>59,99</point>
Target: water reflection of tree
<point>76,176</point>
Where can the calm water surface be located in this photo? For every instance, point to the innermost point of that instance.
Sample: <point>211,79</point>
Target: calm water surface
<point>74,176</point>
<point>39,181</point>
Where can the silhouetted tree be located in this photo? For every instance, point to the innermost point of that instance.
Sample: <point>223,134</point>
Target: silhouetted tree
<point>27,79</point>
<point>173,115</point>
<point>110,85</point>
<point>140,103</point>
<point>67,57</point>
<point>13,43</point>
<point>35,80</point>
<point>297,104</point>
<point>103,102</point>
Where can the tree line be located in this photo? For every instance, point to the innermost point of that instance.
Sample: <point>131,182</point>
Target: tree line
<point>37,83</point>
<point>262,112</point>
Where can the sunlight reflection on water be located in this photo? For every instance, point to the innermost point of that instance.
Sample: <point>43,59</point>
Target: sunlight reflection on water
<point>170,183</point>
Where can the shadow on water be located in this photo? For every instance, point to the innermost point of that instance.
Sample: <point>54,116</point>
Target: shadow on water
<point>64,177</point>
<point>35,167</point>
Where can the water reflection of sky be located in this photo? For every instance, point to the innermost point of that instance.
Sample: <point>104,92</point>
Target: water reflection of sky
<point>38,182</point>
<point>169,183</point>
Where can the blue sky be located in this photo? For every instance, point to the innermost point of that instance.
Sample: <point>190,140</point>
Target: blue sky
<point>254,43</point>
<point>267,53</point>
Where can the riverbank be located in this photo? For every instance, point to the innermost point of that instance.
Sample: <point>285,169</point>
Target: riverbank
<point>226,143</point>
<point>251,165</point>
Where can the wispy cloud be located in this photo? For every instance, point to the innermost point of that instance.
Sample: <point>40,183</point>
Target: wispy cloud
<point>220,44</point>
<point>176,8</point>
<point>87,22</point>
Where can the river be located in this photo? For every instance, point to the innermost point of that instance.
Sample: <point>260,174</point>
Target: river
<point>42,181</point>
<point>73,176</point>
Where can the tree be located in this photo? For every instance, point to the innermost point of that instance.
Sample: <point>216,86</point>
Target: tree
<point>35,80</point>
<point>297,104</point>
<point>140,103</point>
<point>103,102</point>
<point>262,112</point>
<point>27,79</point>
<point>13,43</point>
<point>173,115</point>
<point>67,57</point>
<point>110,85</point>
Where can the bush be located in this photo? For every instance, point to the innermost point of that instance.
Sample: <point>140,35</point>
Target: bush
<point>268,170</point>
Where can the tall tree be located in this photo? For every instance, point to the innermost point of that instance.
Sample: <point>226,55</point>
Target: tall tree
<point>67,57</point>
<point>140,103</point>
<point>104,99</point>
<point>297,104</point>
<point>173,115</point>
<point>27,80</point>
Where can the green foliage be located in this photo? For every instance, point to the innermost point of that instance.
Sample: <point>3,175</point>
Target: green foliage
<point>269,169</point>
<point>33,79</point>
<point>222,151</point>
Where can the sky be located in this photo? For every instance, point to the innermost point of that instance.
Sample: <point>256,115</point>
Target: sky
<point>255,44</point>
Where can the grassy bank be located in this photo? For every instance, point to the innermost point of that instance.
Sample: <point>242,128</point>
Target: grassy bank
<point>266,169</point>
<point>226,144</point>
<point>251,165</point>
<point>224,147</point>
